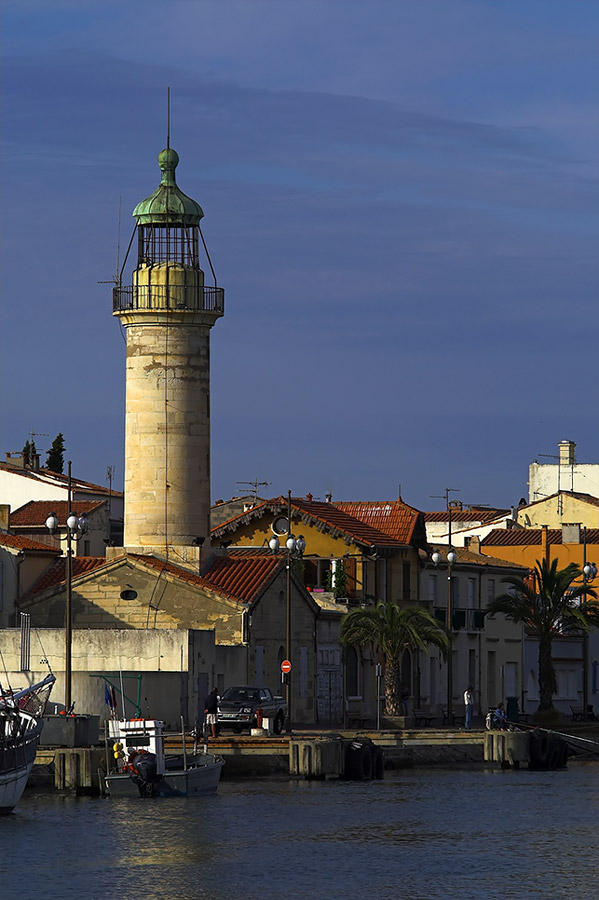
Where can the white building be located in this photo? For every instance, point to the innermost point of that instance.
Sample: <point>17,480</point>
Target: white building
<point>566,474</point>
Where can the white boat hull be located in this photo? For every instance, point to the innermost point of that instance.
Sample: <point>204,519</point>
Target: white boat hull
<point>11,789</point>
<point>201,777</point>
<point>18,745</point>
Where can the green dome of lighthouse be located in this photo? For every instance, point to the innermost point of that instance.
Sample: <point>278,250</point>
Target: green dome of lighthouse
<point>168,204</point>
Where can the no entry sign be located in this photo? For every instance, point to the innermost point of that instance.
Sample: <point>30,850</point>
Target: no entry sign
<point>286,667</point>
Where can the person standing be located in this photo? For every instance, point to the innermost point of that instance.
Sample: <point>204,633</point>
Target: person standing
<point>211,710</point>
<point>468,707</point>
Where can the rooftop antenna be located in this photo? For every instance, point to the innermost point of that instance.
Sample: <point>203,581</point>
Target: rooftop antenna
<point>445,496</point>
<point>168,118</point>
<point>109,477</point>
<point>117,277</point>
<point>254,485</point>
<point>118,244</point>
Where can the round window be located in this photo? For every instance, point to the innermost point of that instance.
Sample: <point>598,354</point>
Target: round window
<point>280,525</point>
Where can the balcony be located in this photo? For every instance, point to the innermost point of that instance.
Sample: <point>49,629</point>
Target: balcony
<point>462,619</point>
<point>190,297</point>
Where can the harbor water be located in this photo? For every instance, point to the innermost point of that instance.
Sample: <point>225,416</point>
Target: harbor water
<point>425,834</point>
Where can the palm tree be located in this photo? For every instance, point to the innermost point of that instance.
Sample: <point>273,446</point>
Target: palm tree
<point>549,604</point>
<point>393,630</point>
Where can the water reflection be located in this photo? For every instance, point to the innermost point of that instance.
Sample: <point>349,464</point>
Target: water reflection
<point>423,835</point>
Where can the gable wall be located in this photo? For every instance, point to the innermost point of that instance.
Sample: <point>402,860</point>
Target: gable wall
<point>268,629</point>
<point>527,555</point>
<point>554,511</point>
<point>322,544</point>
<point>161,603</point>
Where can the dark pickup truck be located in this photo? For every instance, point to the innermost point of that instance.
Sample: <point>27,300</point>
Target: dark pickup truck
<point>239,706</point>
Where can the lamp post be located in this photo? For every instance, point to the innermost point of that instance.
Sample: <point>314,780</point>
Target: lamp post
<point>294,547</point>
<point>451,561</point>
<point>589,571</point>
<point>76,527</point>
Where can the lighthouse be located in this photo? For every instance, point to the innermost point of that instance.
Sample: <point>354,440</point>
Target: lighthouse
<point>167,312</point>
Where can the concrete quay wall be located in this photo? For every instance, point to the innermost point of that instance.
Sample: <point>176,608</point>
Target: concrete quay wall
<point>81,769</point>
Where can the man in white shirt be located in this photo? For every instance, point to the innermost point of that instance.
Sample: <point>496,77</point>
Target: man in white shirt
<point>468,707</point>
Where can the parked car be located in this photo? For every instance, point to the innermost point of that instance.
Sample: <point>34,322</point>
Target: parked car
<point>242,705</point>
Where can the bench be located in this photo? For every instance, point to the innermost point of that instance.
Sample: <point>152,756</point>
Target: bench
<point>356,721</point>
<point>578,713</point>
<point>421,717</point>
<point>457,719</point>
<point>354,715</point>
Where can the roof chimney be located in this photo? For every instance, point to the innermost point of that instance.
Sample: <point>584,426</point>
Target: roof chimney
<point>16,459</point>
<point>4,516</point>
<point>566,453</point>
<point>545,543</point>
<point>474,545</point>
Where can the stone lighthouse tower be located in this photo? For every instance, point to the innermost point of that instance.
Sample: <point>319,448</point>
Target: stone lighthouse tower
<point>167,313</point>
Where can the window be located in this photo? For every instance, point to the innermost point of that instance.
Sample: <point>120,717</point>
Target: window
<point>472,679</point>
<point>511,679</point>
<point>259,665</point>
<point>490,589</point>
<point>352,673</point>
<point>406,672</point>
<point>303,673</point>
<point>567,683</point>
<point>432,589</point>
<point>455,591</point>
<point>471,593</point>
<point>381,579</point>
<point>406,576</point>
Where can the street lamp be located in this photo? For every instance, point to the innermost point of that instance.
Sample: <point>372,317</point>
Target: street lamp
<point>589,572</point>
<point>294,547</point>
<point>76,527</point>
<point>452,558</point>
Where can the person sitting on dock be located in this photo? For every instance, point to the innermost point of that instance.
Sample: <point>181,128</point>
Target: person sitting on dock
<point>500,718</point>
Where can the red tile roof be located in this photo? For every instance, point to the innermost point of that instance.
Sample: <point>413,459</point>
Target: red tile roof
<point>56,574</point>
<point>524,537</point>
<point>241,576</point>
<point>339,522</point>
<point>467,557</point>
<point>48,477</point>
<point>586,498</point>
<point>16,542</point>
<point>394,517</point>
<point>465,515</point>
<point>345,523</point>
<point>36,512</point>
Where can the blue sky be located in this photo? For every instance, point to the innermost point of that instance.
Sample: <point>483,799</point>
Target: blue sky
<point>400,200</point>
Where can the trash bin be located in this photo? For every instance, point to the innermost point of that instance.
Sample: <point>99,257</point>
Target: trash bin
<point>512,711</point>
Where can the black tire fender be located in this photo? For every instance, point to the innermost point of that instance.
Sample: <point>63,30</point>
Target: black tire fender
<point>358,761</point>
<point>279,722</point>
<point>378,764</point>
<point>366,763</point>
<point>539,748</point>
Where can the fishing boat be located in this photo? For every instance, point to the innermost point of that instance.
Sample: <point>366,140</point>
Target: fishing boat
<point>142,769</point>
<point>21,723</point>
